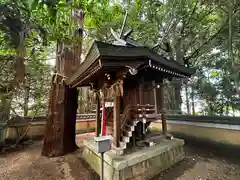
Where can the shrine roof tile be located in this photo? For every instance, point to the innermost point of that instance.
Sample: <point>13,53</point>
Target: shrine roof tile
<point>116,53</point>
<point>110,50</point>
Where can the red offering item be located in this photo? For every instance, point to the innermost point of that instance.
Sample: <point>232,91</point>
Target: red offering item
<point>104,128</point>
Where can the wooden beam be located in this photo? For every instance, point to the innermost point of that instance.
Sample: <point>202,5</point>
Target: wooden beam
<point>82,71</point>
<point>162,108</point>
<point>98,118</point>
<point>116,120</point>
<point>141,85</point>
<point>155,96</point>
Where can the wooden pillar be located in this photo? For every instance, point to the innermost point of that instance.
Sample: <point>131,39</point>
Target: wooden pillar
<point>116,120</point>
<point>134,138</point>
<point>141,95</point>
<point>162,108</point>
<point>98,118</point>
<point>155,96</point>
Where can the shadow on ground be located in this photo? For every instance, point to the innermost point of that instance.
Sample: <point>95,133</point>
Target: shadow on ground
<point>177,170</point>
<point>28,164</point>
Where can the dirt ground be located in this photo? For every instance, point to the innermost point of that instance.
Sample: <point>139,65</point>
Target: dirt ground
<point>202,165</point>
<point>28,164</point>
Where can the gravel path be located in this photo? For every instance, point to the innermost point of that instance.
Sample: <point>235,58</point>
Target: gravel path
<point>27,164</point>
<point>202,165</point>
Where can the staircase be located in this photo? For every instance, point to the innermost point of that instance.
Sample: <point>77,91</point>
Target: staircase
<point>129,120</point>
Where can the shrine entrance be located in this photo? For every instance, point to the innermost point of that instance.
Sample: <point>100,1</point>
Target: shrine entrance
<point>128,75</point>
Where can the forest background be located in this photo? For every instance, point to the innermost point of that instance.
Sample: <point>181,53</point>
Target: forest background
<point>204,34</point>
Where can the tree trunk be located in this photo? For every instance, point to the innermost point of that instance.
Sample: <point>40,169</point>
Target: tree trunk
<point>5,108</point>
<point>174,99</point>
<point>177,96</point>
<point>227,109</point>
<point>26,100</point>
<point>53,136</point>
<point>193,104</point>
<point>210,108</point>
<point>178,49</point>
<point>60,126</point>
<point>71,106</point>
<point>63,102</point>
<point>235,68</point>
<point>233,111</point>
<point>187,99</point>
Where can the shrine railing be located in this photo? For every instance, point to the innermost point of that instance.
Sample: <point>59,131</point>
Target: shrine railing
<point>137,111</point>
<point>126,115</point>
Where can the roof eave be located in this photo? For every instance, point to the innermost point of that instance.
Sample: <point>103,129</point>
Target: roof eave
<point>91,57</point>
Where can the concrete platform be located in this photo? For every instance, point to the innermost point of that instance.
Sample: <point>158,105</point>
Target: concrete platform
<point>141,165</point>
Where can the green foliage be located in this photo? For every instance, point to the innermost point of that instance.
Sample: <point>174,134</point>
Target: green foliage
<point>16,17</point>
<point>188,31</point>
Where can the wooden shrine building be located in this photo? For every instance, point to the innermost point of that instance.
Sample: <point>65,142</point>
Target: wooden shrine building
<point>127,75</point>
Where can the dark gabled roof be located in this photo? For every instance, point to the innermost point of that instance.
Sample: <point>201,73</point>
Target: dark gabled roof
<point>131,42</point>
<point>107,50</point>
<point>116,53</point>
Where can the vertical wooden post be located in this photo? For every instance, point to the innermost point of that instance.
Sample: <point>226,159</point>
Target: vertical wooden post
<point>133,138</point>
<point>98,118</point>
<point>141,95</point>
<point>162,108</point>
<point>164,123</point>
<point>155,96</point>
<point>116,120</point>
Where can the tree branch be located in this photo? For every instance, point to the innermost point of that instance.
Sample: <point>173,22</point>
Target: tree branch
<point>236,8</point>
<point>13,110</point>
<point>189,18</point>
<point>26,130</point>
<point>199,20</point>
<point>196,52</point>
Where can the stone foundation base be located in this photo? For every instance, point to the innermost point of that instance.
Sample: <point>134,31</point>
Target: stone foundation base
<point>141,165</point>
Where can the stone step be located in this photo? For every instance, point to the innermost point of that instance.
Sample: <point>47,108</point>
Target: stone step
<point>123,145</point>
<point>145,106</point>
<point>118,151</point>
<point>147,115</point>
<point>127,133</point>
<point>150,116</point>
<point>129,127</point>
<point>125,139</point>
<point>135,122</point>
<point>145,110</point>
<point>132,123</point>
